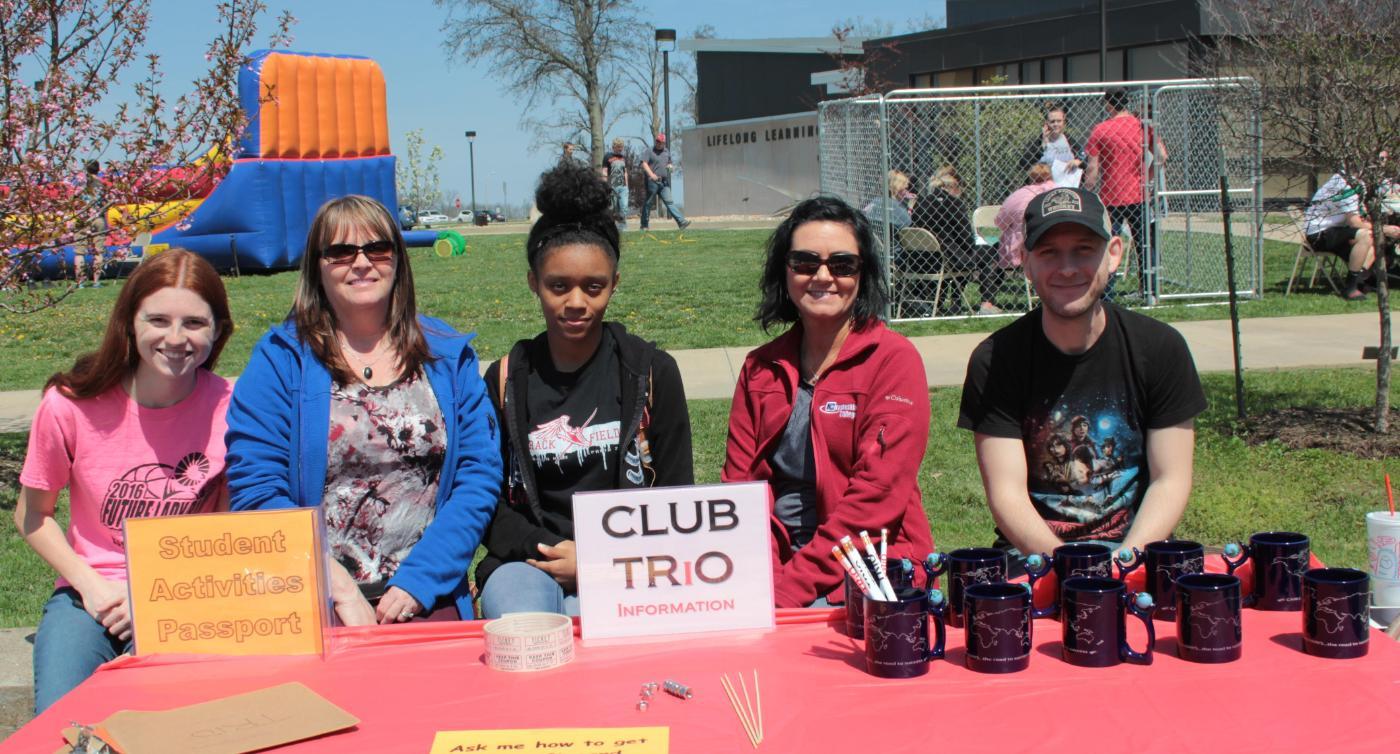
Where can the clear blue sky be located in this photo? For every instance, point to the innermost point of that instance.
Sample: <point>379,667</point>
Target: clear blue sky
<point>443,98</point>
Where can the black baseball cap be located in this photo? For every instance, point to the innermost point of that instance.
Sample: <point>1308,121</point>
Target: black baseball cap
<point>1066,205</point>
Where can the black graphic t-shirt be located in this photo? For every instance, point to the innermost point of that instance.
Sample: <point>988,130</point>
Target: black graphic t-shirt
<point>575,422</point>
<point>1083,418</point>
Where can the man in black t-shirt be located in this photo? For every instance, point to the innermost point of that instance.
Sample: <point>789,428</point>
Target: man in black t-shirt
<point>1083,411</point>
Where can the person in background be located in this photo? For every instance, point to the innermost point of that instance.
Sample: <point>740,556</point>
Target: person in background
<point>833,414</point>
<point>1334,224</point>
<point>1035,387</point>
<point>584,405</point>
<point>1117,171</point>
<point>657,167</point>
<point>615,171</point>
<point>1011,218</point>
<point>133,429</point>
<point>1054,146</point>
<point>944,212</point>
<point>358,404</point>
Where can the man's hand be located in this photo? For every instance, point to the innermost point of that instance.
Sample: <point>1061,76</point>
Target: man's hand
<point>560,563</point>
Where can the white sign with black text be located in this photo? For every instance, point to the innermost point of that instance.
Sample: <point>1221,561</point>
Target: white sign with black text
<point>673,560</point>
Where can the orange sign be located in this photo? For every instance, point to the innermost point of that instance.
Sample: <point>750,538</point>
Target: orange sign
<point>227,583</point>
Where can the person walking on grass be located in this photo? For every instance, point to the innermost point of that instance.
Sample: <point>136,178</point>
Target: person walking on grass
<point>657,168</point>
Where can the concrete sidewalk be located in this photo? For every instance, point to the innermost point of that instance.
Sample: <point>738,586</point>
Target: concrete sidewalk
<point>1268,343</point>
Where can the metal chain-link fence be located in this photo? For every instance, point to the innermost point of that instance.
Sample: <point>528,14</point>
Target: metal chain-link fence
<point>944,175</point>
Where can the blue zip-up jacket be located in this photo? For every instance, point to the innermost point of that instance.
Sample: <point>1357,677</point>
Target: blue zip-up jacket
<point>279,422</point>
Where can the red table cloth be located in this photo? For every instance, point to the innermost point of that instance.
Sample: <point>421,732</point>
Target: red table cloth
<point>406,682</point>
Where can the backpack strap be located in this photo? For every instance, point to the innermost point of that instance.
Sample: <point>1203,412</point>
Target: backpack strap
<point>501,379</point>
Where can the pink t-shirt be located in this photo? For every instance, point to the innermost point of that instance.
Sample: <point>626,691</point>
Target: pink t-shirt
<point>1011,219</point>
<point>119,459</point>
<point>1117,142</point>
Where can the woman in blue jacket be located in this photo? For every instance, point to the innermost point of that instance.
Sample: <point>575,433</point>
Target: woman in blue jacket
<point>359,405</point>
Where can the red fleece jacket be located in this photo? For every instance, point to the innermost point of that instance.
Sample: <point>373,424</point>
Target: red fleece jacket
<point>870,416</point>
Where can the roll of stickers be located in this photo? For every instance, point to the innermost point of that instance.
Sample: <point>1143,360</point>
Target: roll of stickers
<point>523,642</point>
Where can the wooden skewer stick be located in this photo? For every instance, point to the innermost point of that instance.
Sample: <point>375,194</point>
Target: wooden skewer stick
<point>734,700</point>
<point>759,697</point>
<point>748,706</point>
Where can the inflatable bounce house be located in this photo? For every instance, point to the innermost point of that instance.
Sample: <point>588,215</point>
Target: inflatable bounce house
<point>317,129</point>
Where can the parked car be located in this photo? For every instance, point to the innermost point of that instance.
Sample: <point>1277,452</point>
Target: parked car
<point>426,219</point>
<point>406,220</point>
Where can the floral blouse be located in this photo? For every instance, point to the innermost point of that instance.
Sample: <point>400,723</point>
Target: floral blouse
<point>385,452</point>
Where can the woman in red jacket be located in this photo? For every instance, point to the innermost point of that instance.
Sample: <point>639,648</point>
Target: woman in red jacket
<point>834,413</point>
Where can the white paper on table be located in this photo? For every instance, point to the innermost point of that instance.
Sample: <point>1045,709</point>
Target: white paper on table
<point>1065,175</point>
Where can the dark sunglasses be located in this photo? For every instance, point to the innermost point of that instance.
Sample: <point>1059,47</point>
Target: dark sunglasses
<point>375,251</point>
<point>841,264</point>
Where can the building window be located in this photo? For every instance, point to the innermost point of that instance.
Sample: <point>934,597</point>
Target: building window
<point>954,78</point>
<point>1166,61</point>
<point>1115,65</point>
<point>1030,72</point>
<point>1003,74</point>
<point>1054,71</point>
<point>1082,68</point>
<point>921,81</point>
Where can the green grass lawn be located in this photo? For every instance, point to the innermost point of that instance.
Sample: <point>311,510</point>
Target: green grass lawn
<point>1239,488</point>
<point>698,290</point>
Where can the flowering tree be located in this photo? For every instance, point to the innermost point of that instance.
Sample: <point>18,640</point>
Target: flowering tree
<point>419,185</point>
<point>70,150</point>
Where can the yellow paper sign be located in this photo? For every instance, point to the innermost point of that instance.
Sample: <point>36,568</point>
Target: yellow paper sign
<point>574,740</point>
<point>226,583</point>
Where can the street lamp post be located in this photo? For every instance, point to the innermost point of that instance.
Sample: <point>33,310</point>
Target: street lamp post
<point>471,150</point>
<point>666,35</point>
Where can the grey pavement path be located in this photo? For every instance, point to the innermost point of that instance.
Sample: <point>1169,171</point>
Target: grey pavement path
<point>1269,343</point>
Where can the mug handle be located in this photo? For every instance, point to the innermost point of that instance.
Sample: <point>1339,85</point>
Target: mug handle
<point>937,608</point>
<point>1130,555</point>
<point>1140,605</point>
<point>1037,565</point>
<point>1245,553</point>
<point>935,565</point>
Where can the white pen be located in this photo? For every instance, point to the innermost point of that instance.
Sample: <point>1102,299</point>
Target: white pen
<point>857,563</point>
<point>884,544</point>
<point>881,577</point>
<point>855,577</point>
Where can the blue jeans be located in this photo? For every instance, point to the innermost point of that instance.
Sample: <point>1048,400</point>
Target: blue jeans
<point>68,648</point>
<point>620,205</point>
<point>522,588</point>
<point>664,191</point>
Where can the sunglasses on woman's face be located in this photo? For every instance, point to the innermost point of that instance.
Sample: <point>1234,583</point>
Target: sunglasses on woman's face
<point>842,264</point>
<point>375,251</point>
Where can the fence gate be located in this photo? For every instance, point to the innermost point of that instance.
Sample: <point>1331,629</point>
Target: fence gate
<point>932,167</point>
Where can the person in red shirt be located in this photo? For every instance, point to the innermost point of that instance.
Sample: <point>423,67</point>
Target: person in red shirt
<point>1119,162</point>
<point>834,413</point>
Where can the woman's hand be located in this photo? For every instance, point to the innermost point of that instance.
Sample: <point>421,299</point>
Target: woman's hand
<point>106,601</point>
<point>559,562</point>
<point>396,606</point>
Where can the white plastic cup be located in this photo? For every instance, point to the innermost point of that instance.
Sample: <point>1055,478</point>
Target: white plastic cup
<point>1383,548</point>
<point>1385,593</point>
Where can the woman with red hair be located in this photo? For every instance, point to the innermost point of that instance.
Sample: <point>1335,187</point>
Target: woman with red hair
<point>133,429</point>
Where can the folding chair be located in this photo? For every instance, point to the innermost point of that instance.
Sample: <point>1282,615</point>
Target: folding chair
<point>920,240</point>
<point>1320,259</point>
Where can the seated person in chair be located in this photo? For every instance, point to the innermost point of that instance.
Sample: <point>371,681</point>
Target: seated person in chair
<point>1334,225</point>
<point>944,212</point>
